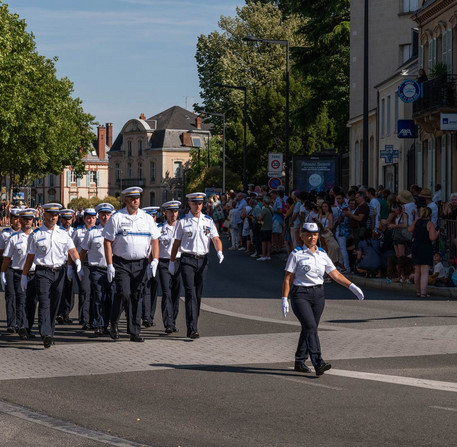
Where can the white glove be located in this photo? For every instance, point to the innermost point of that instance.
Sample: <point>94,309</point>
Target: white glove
<point>172,268</point>
<point>110,272</point>
<point>285,306</point>
<point>220,256</point>
<point>3,280</point>
<point>152,268</point>
<point>70,272</point>
<point>24,282</point>
<point>357,291</point>
<point>78,265</point>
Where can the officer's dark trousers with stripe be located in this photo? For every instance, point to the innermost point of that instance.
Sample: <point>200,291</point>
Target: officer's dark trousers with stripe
<point>84,295</point>
<point>68,298</point>
<point>49,287</point>
<point>11,300</point>
<point>193,272</point>
<point>171,288</point>
<point>308,305</point>
<point>102,291</point>
<point>130,281</point>
<point>25,301</point>
<point>150,300</point>
<point>31,301</point>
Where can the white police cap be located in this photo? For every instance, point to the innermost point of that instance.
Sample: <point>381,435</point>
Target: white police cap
<point>52,207</point>
<point>27,212</point>
<point>171,205</point>
<point>90,212</point>
<point>15,211</point>
<point>67,213</point>
<point>104,208</point>
<point>196,196</point>
<point>151,209</point>
<point>134,191</point>
<point>310,227</point>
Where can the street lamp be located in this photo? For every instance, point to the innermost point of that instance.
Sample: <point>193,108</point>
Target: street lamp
<point>223,144</point>
<point>284,43</point>
<point>237,87</point>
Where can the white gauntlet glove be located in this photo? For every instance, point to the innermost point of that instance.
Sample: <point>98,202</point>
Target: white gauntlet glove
<point>152,268</point>
<point>220,256</point>
<point>3,280</point>
<point>285,306</point>
<point>110,272</point>
<point>78,265</point>
<point>357,291</point>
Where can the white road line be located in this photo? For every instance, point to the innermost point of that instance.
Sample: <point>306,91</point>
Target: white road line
<point>306,381</point>
<point>397,380</point>
<point>66,427</point>
<point>443,408</point>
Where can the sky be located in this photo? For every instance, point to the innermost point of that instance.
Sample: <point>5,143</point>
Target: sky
<point>125,57</point>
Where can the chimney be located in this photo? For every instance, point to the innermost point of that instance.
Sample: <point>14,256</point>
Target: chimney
<point>198,122</point>
<point>142,116</point>
<point>101,141</point>
<point>109,134</point>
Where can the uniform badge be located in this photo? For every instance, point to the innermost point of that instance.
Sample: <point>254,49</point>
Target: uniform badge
<point>99,244</point>
<point>19,252</point>
<point>166,242</point>
<point>206,230</point>
<point>189,234</point>
<point>306,268</point>
<point>43,249</point>
<point>125,233</point>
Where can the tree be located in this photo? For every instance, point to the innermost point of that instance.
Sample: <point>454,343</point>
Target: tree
<point>39,118</point>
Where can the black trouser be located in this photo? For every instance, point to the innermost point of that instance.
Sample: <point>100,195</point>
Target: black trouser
<point>150,299</point>
<point>308,304</point>
<point>130,280</point>
<point>11,300</point>
<point>171,289</point>
<point>102,291</point>
<point>25,301</point>
<point>49,286</point>
<point>84,295</point>
<point>256,228</point>
<point>193,272</point>
<point>68,298</point>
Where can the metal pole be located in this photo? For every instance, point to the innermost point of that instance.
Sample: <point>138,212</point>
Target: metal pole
<point>223,155</point>
<point>287,163</point>
<point>209,144</point>
<point>245,183</point>
<point>365,158</point>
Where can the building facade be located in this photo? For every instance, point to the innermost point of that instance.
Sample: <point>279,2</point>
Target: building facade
<point>154,153</point>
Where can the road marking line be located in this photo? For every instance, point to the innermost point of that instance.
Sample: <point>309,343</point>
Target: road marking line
<point>397,380</point>
<point>66,427</point>
<point>444,408</point>
<point>305,381</point>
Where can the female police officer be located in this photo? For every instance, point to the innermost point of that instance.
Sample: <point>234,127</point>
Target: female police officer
<point>304,279</point>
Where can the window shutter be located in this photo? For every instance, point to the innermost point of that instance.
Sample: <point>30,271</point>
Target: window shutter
<point>421,56</point>
<point>78,181</point>
<point>88,178</point>
<point>98,178</point>
<point>68,178</point>
<point>449,52</point>
<point>430,54</point>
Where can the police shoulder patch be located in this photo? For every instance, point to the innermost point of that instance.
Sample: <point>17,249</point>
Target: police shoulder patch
<point>321,249</point>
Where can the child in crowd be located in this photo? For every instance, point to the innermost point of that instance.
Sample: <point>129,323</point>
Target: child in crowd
<point>438,277</point>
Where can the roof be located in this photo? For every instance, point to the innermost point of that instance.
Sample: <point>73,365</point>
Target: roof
<point>117,145</point>
<point>177,118</point>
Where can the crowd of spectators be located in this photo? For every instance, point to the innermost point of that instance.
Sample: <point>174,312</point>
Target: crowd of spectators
<point>367,231</point>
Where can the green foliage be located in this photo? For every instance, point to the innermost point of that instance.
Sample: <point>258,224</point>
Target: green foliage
<point>39,118</point>
<point>212,177</point>
<point>83,203</point>
<point>439,69</point>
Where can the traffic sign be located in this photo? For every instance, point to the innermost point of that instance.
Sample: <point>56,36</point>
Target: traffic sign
<point>274,182</point>
<point>275,164</point>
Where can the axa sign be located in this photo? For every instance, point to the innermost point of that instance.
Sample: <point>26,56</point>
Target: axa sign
<point>406,129</point>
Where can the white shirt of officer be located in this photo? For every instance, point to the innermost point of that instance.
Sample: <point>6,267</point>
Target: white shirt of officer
<point>195,233</point>
<point>93,244</point>
<point>131,234</point>
<point>80,233</point>
<point>308,267</point>
<point>16,249</point>
<point>166,240</point>
<point>50,247</point>
<point>5,236</point>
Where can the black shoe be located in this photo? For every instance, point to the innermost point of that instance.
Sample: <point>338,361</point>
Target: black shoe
<point>136,338</point>
<point>114,332</point>
<point>98,332</point>
<point>22,333</point>
<point>194,334</point>
<point>68,320</point>
<point>47,341</point>
<point>175,329</point>
<point>10,330</point>
<point>30,335</point>
<point>86,327</point>
<point>60,319</point>
<point>146,323</point>
<point>322,368</point>
<point>168,330</point>
<point>301,367</point>
<point>106,331</point>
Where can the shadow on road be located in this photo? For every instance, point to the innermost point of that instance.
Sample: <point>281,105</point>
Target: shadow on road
<point>390,318</point>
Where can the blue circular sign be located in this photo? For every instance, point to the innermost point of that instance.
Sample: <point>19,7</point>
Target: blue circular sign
<point>274,182</point>
<point>409,90</point>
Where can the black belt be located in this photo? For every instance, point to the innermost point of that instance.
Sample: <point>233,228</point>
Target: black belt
<point>317,286</point>
<point>49,269</point>
<point>164,259</point>
<point>191,255</point>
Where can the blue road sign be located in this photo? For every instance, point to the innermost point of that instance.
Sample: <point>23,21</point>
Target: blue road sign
<point>389,153</point>
<point>409,90</point>
<point>274,182</point>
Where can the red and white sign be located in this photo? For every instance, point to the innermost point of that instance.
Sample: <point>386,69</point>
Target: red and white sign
<point>274,182</point>
<point>275,162</point>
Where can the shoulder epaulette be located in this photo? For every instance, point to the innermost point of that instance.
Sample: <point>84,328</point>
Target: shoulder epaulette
<point>36,230</point>
<point>208,217</point>
<point>296,250</point>
<point>92,228</point>
<point>159,225</point>
<point>62,228</point>
<point>115,212</point>
<point>80,227</point>
<point>7,230</point>
<point>321,249</point>
<point>16,232</point>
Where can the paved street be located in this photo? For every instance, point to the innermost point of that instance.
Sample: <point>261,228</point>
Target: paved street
<point>393,381</point>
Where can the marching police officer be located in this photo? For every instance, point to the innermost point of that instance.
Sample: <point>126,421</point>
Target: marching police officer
<point>24,303</point>
<point>170,284</point>
<point>9,290</point>
<point>193,234</point>
<point>49,246</point>
<point>129,235</point>
<point>67,217</point>
<point>84,294</point>
<point>304,279</point>
<point>92,246</point>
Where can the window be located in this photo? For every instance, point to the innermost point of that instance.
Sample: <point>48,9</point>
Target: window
<point>421,56</point>
<point>177,169</point>
<point>118,171</point>
<point>432,53</point>
<point>446,57</point>
<point>129,148</point>
<point>73,176</point>
<point>152,198</point>
<point>410,5</point>
<point>140,147</point>
<point>129,170</point>
<point>93,176</point>
<point>140,170</point>
<point>383,117</point>
<point>51,180</point>
<point>396,113</point>
<point>388,117</point>
<point>152,170</point>
<point>406,52</point>
<point>357,163</point>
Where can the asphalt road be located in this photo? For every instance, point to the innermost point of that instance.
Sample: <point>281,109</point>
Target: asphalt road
<point>393,381</point>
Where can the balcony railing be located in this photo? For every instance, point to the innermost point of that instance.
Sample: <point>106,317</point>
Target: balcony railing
<point>437,93</point>
<point>128,182</point>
